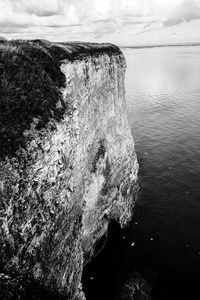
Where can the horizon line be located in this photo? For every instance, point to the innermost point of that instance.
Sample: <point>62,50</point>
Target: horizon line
<point>186,44</point>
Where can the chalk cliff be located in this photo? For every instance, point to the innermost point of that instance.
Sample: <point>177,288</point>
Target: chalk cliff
<point>67,159</point>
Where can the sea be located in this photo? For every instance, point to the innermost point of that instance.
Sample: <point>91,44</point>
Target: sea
<point>162,243</point>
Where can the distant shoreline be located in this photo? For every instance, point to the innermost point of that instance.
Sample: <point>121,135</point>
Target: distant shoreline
<point>159,46</point>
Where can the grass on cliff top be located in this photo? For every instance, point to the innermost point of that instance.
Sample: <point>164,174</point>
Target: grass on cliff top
<point>30,82</point>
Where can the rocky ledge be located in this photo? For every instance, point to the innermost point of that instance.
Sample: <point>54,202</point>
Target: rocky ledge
<point>67,161</point>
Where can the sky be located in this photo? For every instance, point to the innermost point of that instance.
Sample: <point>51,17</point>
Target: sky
<point>123,22</point>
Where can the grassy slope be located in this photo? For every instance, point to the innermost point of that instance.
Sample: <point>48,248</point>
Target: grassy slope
<point>30,82</point>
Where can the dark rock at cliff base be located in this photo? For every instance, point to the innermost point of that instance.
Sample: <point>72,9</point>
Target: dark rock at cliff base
<point>67,161</point>
<point>134,288</point>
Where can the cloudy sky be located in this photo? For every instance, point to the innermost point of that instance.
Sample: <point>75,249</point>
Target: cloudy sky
<point>124,22</point>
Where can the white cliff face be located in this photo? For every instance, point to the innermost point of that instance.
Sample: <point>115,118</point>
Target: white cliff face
<point>76,176</point>
<point>105,155</point>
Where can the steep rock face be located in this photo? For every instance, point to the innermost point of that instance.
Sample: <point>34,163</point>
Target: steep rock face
<point>68,164</point>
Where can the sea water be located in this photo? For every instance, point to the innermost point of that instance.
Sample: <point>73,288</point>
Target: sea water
<point>163,240</point>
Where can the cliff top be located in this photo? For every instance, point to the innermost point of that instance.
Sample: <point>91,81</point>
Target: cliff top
<point>30,82</point>
<point>61,51</point>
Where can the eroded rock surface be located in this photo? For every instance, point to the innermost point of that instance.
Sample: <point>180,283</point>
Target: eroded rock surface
<point>67,159</point>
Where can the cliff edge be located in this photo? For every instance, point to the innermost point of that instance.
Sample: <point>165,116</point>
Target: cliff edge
<point>67,160</point>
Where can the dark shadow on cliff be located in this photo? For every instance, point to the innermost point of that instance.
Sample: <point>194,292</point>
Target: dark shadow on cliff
<point>122,272</point>
<point>109,277</point>
<point>25,289</point>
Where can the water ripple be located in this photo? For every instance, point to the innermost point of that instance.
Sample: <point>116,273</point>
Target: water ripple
<point>163,98</point>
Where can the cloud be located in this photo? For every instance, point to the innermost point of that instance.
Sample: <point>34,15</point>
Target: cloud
<point>38,7</point>
<point>92,18</point>
<point>37,13</point>
<point>186,11</point>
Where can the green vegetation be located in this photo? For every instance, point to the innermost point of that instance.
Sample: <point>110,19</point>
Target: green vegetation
<point>29,89</point>
<point>30,83</point>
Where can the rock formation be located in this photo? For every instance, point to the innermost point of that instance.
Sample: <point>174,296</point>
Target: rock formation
<point>67,159</point>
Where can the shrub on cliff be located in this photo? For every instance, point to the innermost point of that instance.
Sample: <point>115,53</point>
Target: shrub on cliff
<point>30,82</point>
